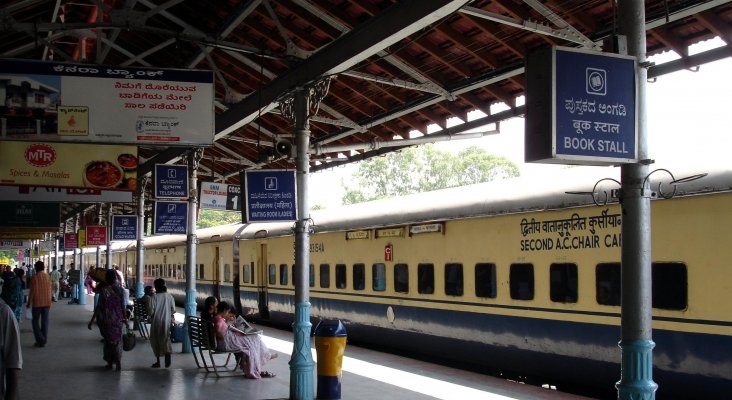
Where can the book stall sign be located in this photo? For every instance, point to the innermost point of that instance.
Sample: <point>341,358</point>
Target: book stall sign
<point>29,217</point>
<point>87,166</point>
<point>70,240</point>
<point>171,217</point>
<point>171,181</point>
<point>62,102</point>
<point>270,195</point>
<point>124,227</point>
<point>581,107</point>
<point>96,235</point>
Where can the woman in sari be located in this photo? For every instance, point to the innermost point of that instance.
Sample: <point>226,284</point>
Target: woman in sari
<point>110,316</point>
<point>256,352</point>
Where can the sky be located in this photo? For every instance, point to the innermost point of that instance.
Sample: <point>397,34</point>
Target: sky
<point>689,123</point>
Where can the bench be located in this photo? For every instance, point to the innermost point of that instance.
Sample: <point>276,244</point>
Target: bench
<point>203,339</point>
<point>140,318</point>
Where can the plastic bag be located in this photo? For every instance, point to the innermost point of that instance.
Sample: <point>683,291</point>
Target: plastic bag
<point>28,313</point>
<point>129,340</point>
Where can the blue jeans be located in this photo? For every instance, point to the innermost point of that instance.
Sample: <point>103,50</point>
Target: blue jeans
<point>40,324</point>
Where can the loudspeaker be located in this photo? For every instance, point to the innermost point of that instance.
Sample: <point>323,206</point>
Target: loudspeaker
<point>283,148</point>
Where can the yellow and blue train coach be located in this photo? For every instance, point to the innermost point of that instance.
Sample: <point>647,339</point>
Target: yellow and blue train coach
<point>518,279</point>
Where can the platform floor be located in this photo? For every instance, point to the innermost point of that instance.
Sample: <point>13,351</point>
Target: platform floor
<point>70,367</point>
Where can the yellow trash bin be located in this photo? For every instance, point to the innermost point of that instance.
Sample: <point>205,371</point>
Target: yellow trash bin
<point>330,344</point>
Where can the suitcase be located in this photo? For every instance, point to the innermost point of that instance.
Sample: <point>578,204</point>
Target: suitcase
<point>176,333</point>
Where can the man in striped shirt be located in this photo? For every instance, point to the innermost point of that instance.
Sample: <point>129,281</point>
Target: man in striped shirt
<point>39,298</point>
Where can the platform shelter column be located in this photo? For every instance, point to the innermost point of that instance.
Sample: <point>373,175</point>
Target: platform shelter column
<point>636,381</point>
<point>194,157</point>
<point>140,250</point>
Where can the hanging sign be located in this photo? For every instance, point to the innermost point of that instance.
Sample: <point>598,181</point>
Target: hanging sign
<point>70,240</point>
<point>96,235</point>
<point>581,107</point>
<point>124,227</point>
<point>270,195</point>
<point>171,217</point>
<point>171,181</point>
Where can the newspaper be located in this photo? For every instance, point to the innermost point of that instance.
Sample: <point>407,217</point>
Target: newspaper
<point>242,326</point>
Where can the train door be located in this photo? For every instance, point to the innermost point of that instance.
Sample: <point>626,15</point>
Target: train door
<point>262,282</point>
<point>216,274</point>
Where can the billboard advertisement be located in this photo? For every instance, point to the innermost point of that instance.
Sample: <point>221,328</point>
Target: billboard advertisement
<point>103,167</point>
<point>62,102</point>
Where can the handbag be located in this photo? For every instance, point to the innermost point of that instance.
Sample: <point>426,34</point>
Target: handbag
<point>129,340</point>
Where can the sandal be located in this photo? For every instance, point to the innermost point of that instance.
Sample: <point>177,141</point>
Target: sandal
<point>267,374</point>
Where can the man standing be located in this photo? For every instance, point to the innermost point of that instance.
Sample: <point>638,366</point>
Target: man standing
<point>55,282</point>
<point>40,298</point>
<point>11,359</point>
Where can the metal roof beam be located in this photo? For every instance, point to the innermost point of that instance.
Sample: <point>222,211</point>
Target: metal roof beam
<point>394,24</point>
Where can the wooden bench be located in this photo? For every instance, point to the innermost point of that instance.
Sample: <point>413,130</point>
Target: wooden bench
<point>203,340</point>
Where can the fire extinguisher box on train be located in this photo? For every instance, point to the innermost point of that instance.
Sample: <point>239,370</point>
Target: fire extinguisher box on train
<point>330,344</point>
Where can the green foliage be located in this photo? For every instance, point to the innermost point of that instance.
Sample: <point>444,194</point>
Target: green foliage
<point>424,168</point>
<point>209,218</point>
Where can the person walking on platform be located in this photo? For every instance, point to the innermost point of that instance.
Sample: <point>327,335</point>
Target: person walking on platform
<point>55,282</point>
<point>161,317</point>
<point>11,357</point>
<point>39,298</point>
<point>111,318</point>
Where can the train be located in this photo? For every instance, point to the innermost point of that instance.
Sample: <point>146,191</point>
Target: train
<point>517,278</point>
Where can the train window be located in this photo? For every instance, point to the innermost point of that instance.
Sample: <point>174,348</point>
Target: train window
<point>426,278</point>
<point>607,284</point>
<point>563,282</point>
<point>283,274</point>
<point>248,273</point>
<point>454,279</point>
<point>227,273</point>
<point>359,276</point>
<point>378,277</point>
<point>312,275</point>
<point>522,281</point>
<point>485,280</point>
<point>670,288</point>
<point>272,274</point>
<point>340,275</point>
<point>201,271</point>
<point>325,275</point>
<point>401,278</point>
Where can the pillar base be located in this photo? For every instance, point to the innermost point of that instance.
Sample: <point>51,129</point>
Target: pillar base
<point>301,363</point>
<point>636,381</point>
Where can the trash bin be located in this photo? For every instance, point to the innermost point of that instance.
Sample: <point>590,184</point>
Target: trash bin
<point>330,343</point>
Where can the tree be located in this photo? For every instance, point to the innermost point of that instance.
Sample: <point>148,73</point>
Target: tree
<point>209,218</point>
<point>424,168</point>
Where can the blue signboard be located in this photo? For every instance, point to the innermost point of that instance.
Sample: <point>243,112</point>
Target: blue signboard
<point>595,106</point>
<point>171,181</point>
<point>270,196</point>
<point>124,227</point>
<point>171,217</point>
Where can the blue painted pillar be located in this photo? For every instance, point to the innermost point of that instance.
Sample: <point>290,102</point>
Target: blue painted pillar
<point>194,156</point>
<point>140,250</point>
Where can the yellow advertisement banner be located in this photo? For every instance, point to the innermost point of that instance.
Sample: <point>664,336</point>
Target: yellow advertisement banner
<point>82,238</point>
<point>93,166</point>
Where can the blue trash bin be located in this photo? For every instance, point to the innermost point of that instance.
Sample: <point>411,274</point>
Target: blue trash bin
<point>330,344</point>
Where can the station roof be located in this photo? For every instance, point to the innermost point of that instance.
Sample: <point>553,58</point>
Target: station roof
<point>395,67</point>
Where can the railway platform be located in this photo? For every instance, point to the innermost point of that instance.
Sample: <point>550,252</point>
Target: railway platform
<point>70,367</point>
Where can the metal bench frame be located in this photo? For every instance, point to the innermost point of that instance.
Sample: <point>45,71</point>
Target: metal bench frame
<point>140,318</point>
<point>203,339</point>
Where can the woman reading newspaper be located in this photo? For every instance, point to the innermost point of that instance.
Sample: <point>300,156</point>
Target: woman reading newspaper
<point>237,336</point>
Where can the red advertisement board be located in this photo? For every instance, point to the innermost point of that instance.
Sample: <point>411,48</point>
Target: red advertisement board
<point>70,240</point>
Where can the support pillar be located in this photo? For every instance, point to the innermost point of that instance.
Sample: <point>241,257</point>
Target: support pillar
<point>194,156</point>
<point>636,381</point>
<point>109,238</point>
<point>82,289</point>
<point>140,250</point>
<point>299,109</point>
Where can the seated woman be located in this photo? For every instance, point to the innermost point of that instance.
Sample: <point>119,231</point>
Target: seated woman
<point>252,345</point>
<point>209,308</point>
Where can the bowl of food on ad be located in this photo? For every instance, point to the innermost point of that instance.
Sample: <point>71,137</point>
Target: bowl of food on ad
<point>102,175</point>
